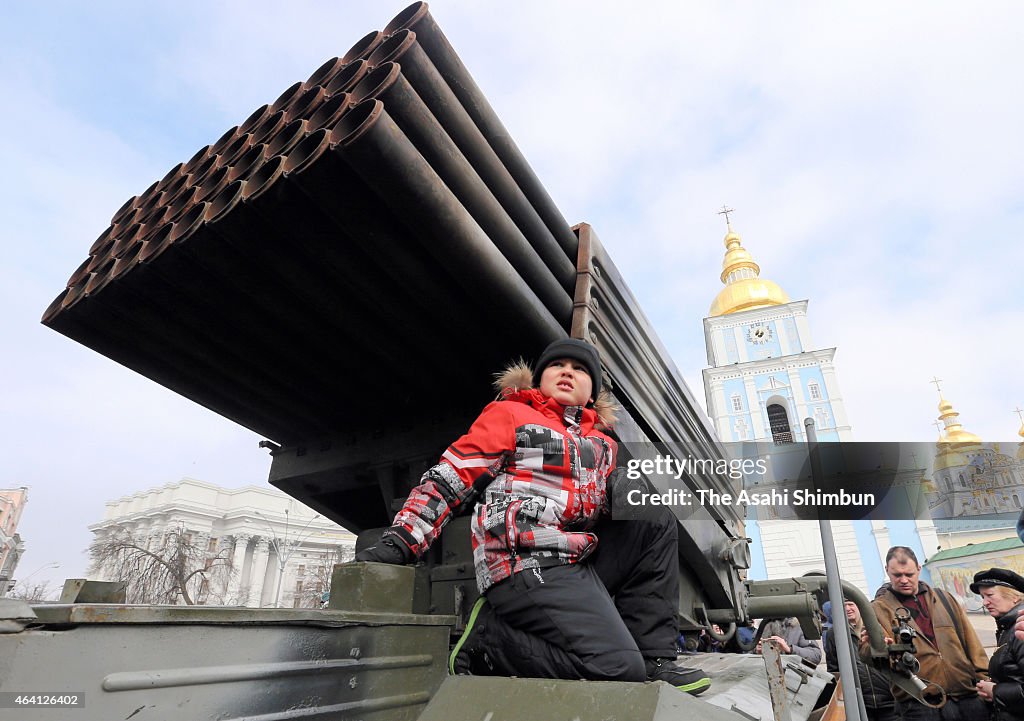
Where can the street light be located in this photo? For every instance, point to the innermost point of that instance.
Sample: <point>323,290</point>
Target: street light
<point>286,547</point>
<point>24,580</point>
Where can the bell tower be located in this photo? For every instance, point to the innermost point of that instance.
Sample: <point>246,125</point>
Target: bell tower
<point>765,374</point>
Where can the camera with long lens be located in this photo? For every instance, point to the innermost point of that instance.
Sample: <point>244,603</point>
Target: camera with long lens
<point>901,653</point>
<point>903,632</point>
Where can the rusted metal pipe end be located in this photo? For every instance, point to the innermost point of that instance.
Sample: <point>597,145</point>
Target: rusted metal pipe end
<point>364,46</point>
<point>155,201</point>
<point>353,124</point>
<point>99,279</point>
<point>181,204</point>
<point>154,217</point>
<point>306,104</point>
<point>146,194</point>
<point>234,151</point>
<point>97,260</point>
<point>407,18</point>
<point>307,152</point>
<point>125,241</point>
<point>126,220</point>
<point>156,244</point>
<point>254,119</point>
<point>199,173</point>
<point>348,77</point>
<point>172,188</point>
<point>286,139</point>
<point>55,307</point>
<point>201,156</point>
<point>74,295</point>
<point>222,203</point>
<point>213,183</point>
<point>101,240</point>
<point>128,206</point>
<point>376,81</point>
<point>260,181</point>
<point>81,272</point>
<point>248,163</point>
<point>323,74</point>
<point>270,125</point>
<point>188,224</point>
<point>224,141</point>
<point>393,48</point>
<point>126,262</point>
<point>285,99</point>
<point>329,112</point>
<point>170,177</point>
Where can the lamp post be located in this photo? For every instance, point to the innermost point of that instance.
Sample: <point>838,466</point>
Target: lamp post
<point>24,581</point>
<point>285,547</point>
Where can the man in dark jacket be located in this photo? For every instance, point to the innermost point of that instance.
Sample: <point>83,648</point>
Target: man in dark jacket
<point>948,649</point>
<point>878,700</point>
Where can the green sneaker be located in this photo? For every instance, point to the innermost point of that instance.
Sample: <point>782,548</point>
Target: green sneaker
<point>469,657</point>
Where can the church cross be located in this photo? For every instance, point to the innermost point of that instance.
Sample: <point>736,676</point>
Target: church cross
<point>1020,413</point>
<point>939,425</point>
<point>936,381</point>
<point>725,211</point>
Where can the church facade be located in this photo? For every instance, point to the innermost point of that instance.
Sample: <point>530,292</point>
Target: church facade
<point>765,376</point>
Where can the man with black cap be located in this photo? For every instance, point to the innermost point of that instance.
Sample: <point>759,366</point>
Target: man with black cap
<point>566,591</point>
<point>1002,594</point>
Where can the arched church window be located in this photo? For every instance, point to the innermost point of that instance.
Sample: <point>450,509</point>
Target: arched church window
<point>963,484</point>
<point>1016,501</point>
<point>778,421</point>
<point>815,391</point>
<point>737,403</point>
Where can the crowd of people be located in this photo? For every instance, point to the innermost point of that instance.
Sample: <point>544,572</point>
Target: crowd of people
<point>568,592</point>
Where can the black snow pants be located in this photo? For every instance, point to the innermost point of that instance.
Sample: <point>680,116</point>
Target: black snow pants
<point>598,619</point>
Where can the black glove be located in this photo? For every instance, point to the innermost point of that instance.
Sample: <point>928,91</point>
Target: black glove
<point>387,550</point>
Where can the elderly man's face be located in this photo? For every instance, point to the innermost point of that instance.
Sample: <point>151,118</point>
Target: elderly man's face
<point>852,612</point>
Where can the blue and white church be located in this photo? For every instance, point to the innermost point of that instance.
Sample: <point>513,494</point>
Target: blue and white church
<point>765,377</point>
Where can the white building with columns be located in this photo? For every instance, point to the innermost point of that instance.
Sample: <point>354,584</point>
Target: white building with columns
<point>765,377</point>
<point>281,552</point>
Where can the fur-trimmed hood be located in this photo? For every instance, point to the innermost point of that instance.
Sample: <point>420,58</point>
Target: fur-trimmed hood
<point>518,376</point>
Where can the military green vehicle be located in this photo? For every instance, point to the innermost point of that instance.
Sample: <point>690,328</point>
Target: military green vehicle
<point>374,220</point>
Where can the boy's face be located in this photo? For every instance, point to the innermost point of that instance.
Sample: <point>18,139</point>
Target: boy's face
<point>567,381</point>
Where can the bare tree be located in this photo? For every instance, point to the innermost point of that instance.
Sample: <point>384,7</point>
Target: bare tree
<point>33,592</point>
<point>161,570</point>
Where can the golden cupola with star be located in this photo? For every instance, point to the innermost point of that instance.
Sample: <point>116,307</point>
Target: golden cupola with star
<point>744,287</point>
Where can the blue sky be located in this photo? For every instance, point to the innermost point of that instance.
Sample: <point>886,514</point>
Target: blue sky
<point>871,150</point>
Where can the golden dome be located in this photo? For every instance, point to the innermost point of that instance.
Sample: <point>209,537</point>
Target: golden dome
<point>744,289</point>
<point>955,433</point>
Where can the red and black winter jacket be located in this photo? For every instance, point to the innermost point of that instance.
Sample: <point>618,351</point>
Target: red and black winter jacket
<point>538,472</point>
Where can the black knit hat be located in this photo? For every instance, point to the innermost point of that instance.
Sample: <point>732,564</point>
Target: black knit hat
<point>997,577</point>
<point>578,350</point>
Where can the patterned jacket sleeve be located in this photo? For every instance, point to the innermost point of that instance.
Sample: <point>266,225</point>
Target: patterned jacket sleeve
<point>466,468</point>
